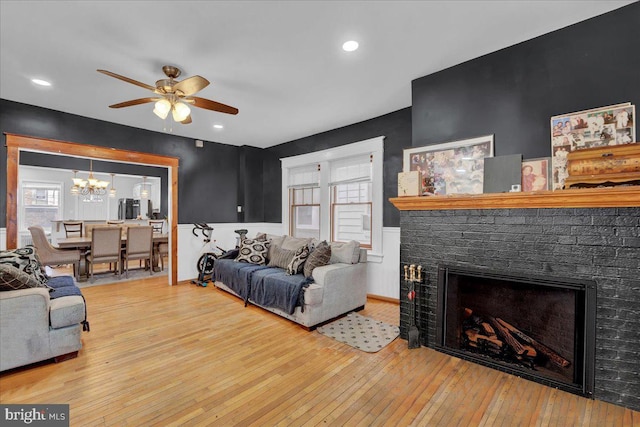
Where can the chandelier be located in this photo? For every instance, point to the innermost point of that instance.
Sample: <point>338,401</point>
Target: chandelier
<point>91,189</point>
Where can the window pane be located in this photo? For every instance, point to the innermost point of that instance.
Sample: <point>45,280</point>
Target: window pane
<point>352,222</point>
<point>353,193</point>
<point>41,204</point>
<point>306,221</point>
<point>40,216</point>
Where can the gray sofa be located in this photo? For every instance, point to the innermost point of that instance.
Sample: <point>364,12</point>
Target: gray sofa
<point>337,288</point>
<point>38,322</point>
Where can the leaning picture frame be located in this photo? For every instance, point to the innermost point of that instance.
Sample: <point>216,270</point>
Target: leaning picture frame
<point>455,167</point>
<point>536,174</point>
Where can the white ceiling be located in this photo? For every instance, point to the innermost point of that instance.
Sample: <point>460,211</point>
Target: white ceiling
<point>279,62</point>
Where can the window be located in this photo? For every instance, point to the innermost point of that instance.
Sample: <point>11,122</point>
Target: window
<point>305,212</point>
<point>41,204</point>
<point>351,213</point>
<point>336,194</point>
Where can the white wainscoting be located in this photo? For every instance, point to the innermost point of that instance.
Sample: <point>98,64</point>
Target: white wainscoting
<point>383,272</point>
<point>3,239</point>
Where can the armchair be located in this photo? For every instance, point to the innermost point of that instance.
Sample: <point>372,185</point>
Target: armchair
<point>50,255</point>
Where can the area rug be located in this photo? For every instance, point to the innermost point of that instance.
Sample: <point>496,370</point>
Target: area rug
<point>361,332</point>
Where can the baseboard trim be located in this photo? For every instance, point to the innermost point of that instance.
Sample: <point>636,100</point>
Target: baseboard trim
<point>383,298</point>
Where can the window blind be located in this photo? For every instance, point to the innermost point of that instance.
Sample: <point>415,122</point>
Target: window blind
<point>304,176</point>
<point>352,169</point>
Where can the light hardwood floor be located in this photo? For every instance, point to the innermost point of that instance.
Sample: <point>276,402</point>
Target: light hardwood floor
<point>187,355</point>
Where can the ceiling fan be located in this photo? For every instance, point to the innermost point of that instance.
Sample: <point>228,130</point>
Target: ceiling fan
<point>173,95</point>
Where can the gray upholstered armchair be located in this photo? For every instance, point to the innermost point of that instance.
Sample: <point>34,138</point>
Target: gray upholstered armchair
<point>50,255</point>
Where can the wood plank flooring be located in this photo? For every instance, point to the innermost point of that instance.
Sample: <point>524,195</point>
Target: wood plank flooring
<point>187,355</point>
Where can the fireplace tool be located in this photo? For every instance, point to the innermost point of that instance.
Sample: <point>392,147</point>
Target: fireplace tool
<point>413,275</point>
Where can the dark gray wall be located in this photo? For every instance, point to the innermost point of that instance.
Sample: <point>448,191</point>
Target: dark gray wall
<point>207,177</point>
<point>250,184</point>
<point>512,93</point>
<point>396,127</point>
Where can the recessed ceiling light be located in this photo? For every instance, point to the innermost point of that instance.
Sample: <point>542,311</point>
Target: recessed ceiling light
<point>41,82</point>
<point>218,126</point>
<point>350,46</point>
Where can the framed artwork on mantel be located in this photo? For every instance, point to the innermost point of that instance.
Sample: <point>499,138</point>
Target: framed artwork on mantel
<point>455,167</point>
<point>598,127</point>
<point>536,174</point>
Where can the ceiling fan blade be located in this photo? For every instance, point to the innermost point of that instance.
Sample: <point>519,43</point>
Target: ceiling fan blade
<point>191,85</point>
<point>128,80</point>
<point>187,120</point>
<point>207,104</point>
<point>134,102</point>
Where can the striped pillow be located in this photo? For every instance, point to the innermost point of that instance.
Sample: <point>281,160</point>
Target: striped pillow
<point>319,257</point>
<point>280,257</point>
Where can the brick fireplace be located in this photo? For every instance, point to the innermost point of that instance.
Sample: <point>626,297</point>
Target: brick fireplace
<point>594,245</point>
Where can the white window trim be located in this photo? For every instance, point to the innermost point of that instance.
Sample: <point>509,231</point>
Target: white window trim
<point>374,146</point>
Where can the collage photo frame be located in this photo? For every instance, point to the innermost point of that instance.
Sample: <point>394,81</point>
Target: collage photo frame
<point>598,127</point>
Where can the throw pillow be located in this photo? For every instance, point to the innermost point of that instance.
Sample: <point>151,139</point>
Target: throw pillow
<point>294,243</point>
<point>345,252</point>
<point>273,242</point>
<point>25,259</point>
<point>319,257</point>
<point>253,251</point>
<point>296,265</point>
<point>12,278</point>
<point>279,257</point>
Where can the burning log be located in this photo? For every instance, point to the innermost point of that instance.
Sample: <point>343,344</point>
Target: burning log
<point>488,330</point>
<point>506,335</point>
<point>553,356</point>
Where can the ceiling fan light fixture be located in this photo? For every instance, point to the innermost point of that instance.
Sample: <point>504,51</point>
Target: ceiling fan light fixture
<point>162,108</point>
<point>180,111</point>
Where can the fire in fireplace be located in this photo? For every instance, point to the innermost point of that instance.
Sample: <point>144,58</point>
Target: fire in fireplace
<point>539,328</point>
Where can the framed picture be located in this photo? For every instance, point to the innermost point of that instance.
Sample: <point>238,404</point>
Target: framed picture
<point>598,127</point>
<point>450,168</point>
<point>536,174</point>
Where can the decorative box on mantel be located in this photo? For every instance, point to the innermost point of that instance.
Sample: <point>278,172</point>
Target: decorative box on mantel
<point>615,165</point>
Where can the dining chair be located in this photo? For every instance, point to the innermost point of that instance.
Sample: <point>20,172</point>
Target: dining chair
<point>73,228</point>
<point>105,248</point>
<point>139,246</point>
<point>157,224</point>
<point>162,251</point>
<point>49,255</point>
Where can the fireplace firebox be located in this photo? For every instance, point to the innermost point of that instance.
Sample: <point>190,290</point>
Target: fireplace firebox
<point>540,328</point>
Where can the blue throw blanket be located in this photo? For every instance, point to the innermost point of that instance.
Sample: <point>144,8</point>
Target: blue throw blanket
<point>277,289</point>
<point>236,275</point>
<point>64,286</point>
<point>266,286</point>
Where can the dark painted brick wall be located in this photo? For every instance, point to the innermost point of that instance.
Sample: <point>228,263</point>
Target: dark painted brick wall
<point>596,244</point>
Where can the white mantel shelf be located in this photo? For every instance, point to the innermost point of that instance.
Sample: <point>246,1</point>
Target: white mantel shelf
<point>605,197</point>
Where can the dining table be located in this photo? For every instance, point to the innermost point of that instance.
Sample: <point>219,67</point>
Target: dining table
<point>84,244</point>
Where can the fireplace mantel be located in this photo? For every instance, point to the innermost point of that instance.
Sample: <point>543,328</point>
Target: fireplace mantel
<point>605,197</point>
